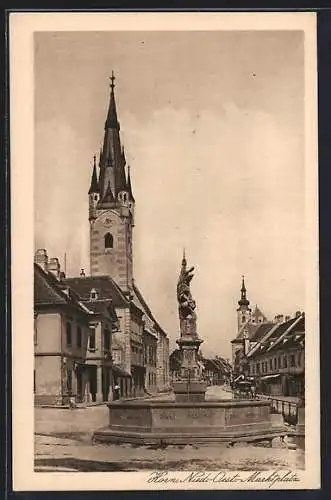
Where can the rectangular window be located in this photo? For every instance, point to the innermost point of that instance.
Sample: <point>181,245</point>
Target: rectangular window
<point>292,360</point>
<point>299,359</point>
<point>275,363</point>
<point>79,336</point>
<point>279,362</point>
<point>68,334</point>
<point>107,340</point>
<point>258,367</point>
<point>270,364</point>
<point>285,362</point>
<point>91,345</point>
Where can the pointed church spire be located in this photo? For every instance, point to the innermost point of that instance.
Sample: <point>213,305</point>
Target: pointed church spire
<point>111,121</point>
<point>109,197</point>
<point>94,188</point>
<point>129,187</point>
<point>243,300</point>
<point>123,156</point>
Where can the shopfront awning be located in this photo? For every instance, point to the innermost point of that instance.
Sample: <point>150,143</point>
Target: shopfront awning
<point>117,370</point>
<point>271,377</point>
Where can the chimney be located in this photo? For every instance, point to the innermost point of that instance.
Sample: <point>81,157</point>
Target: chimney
<point>62,276</point>
<point>297,314</point>
<point>287,318</point>
<point>54,267</point>
<point>279,318</point>
<point>82,273</point>
<point>41,258</point>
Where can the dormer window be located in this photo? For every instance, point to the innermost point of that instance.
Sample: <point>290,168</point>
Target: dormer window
<point>93,294</point>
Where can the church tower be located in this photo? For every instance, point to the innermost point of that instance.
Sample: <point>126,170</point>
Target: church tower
<point>243,311</point>
<point>111,206</point>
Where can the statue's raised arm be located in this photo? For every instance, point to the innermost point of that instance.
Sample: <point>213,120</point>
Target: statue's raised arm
<point>186,304</point>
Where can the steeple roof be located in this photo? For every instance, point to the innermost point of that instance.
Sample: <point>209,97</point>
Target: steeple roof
<point>94,188</point>
<point>112,121</point>
<point>112,157</point>
<point>243,300</point>
<point>109,197</point>
<point>120,179</point>
<point>129,187</point>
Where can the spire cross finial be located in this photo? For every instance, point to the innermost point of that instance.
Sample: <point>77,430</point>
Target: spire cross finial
<point>94,160</point>
<point>112,80</point>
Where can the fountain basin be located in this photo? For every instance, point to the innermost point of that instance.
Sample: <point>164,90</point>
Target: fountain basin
<point>168,422</point>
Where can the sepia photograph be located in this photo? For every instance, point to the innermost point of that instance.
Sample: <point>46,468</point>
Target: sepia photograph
<point>165,251</point>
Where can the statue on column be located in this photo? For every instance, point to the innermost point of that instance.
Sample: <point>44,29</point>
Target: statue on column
<point>186,304</point>
<point>189,386</point>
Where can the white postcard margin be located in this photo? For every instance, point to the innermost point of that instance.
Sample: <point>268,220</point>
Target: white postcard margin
<point>22,28</point>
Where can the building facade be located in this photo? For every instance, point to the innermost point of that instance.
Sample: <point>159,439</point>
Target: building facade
<point>272,353</point>
<point>119,342</point>
<point>277,360</point>
<point>72,340</point>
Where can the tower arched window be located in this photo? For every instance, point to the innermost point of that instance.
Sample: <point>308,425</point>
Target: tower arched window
<point>109,241</point>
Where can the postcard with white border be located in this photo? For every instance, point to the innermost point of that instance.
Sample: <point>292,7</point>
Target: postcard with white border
<point>164,218</point>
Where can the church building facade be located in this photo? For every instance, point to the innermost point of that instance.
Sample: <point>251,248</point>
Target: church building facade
<point>111,219</point>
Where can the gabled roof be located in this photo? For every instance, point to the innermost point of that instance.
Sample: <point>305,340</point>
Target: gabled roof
<point>296,328</point>
<point>103,306</point>
<point>257,313</point>
<point>104,285</point>
<point>48,291</point>
<point>272,339</point>
<point>139,299</point>
<point>45,291</point>
<point>278,332</point>
<point>262,329</point>
<point>251,329</point>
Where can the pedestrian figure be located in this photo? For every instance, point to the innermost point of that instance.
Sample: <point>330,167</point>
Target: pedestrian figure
<point>116,392</point>
<point>72,403</point>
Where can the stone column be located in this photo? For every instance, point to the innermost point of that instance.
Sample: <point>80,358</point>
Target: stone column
<point>99,384</point>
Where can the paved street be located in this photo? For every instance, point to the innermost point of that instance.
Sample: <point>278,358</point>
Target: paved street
<point>63,440</point>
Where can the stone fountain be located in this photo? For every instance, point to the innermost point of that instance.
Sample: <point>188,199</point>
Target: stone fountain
<point>189,386</point>
<point>189,418</point>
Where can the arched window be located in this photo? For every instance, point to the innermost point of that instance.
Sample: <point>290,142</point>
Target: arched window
<point>109,241</point>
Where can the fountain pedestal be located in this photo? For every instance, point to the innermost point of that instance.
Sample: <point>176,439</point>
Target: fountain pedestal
<point>189,386</point>
<point>190,419</point>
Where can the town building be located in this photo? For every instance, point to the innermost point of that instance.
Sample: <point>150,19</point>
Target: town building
<point>272,353</point>
<point>277,359</point>
<point>248,323</point>
<point>72,340</point>
<point>216,371</point>
<point>124,344</point>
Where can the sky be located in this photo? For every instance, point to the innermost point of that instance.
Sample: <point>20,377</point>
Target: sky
<point>213,129</point>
